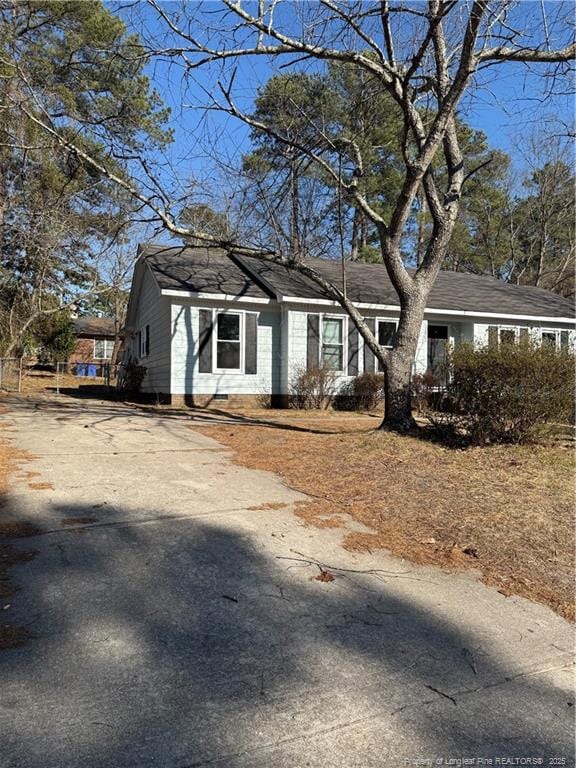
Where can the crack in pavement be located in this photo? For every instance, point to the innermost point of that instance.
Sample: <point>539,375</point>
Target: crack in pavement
<point>338,727</point>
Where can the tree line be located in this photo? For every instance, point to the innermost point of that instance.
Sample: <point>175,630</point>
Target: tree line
<point>515,225</point>
<point>63,224</point>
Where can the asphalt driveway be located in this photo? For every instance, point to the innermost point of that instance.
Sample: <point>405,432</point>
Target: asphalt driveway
<point>177,622</point>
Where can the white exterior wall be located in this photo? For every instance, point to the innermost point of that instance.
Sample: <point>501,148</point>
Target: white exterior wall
<point>284,374</point>
<point>296,343</point>
<point>186,378</point>
<point>153,310</point>
<point>460,329</point>
<point>480,330</point>
<point>173,366</point>
<point>421,360</point>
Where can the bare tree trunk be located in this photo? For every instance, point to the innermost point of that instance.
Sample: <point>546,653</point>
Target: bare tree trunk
<point>398,394</point>
<point>541,254</point>
<point>398,369</point>
<point>295,243</point>
<point>421,241</point>
<point>363,240</point>
<point>359,237</point>
<point>17,336</point>
<point>355,245</point>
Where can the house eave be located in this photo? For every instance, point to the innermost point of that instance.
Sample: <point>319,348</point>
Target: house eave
<point>231,298</point>
<point>434,311</point>
<point>227,297</point>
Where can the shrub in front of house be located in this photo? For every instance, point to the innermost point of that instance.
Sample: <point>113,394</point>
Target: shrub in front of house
<point>131,377</point>
<point>510,393</point>
<point>364,392</point>
<point>427,390</point>
<point>312,388</point>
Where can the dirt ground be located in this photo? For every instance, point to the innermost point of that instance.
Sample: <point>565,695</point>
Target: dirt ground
<point>506,511</point>
<point>10,636</point>
<point>46,381</point>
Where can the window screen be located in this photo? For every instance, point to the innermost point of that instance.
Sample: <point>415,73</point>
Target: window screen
<point>332,346</point>
<point>549,339</point>
<point>507,336</point>
<point>228,353</point>
<point>386,333</point>
<point>144,339</point>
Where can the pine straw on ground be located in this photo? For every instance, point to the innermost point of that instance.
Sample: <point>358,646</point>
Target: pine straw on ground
<point>10,636</point>
<point>506,511</point>
<point>42,381</point>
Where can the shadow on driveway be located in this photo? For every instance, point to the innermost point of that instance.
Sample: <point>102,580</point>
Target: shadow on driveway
<point>182,644</point>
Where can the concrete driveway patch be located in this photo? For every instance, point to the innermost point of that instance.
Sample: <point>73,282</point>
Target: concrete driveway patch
<point>178,622</point>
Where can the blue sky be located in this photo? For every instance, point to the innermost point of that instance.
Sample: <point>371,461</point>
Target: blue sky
<point>508,106</point>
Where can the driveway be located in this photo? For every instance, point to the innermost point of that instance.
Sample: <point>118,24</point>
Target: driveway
<point>177,622</point>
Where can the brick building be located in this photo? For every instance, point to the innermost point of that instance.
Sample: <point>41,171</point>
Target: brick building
<point>94,345</point>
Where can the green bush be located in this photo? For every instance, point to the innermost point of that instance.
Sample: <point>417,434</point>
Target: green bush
<point>56,337</point>
<point>507,393</point>
<point>312,388</point>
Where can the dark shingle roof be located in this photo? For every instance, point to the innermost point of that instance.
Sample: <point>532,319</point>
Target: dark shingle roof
<point>458,291</point>
<point>199,270</point>
<point>211,270</point>
<point>92,326</point>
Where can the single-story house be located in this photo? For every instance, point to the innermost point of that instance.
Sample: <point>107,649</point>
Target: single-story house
<point>208,325</point>
<point>95,338</point>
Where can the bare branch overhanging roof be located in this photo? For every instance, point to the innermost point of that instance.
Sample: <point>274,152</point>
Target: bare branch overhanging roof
<point>211,270</point>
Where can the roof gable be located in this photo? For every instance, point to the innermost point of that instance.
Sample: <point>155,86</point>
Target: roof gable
<point>197,269</point>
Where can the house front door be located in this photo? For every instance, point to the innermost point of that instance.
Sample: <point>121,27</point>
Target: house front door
<point>437,342</point>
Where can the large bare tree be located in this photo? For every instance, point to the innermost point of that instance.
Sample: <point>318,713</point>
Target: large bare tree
<point>429,57</point>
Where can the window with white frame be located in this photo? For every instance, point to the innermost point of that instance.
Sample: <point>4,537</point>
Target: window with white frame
<point>386,335</point>
<point>333,343</point>
<point>103,349</point>
<point>144,341</point>
<point>228,341</point>
<point>508,335</point>
<point>550,338</point>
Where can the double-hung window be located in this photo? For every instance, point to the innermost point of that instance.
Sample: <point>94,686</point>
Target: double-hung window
<point>333,343</point>
<point>103,349</point>
<point>386,335</point>
<point>228,341</point>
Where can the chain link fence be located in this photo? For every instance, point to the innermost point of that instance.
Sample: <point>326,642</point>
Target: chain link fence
<point>19,375</point>
<point>94,376</point>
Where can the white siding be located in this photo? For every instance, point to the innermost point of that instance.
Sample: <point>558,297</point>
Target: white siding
<point>186,378</point>
<point>421,359</point>
<point>460,329</point>
<point>467,332</point>
<point>284,364</point>
<point>296,344</point>
<point>480,330</point>
<point>153,310</point>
